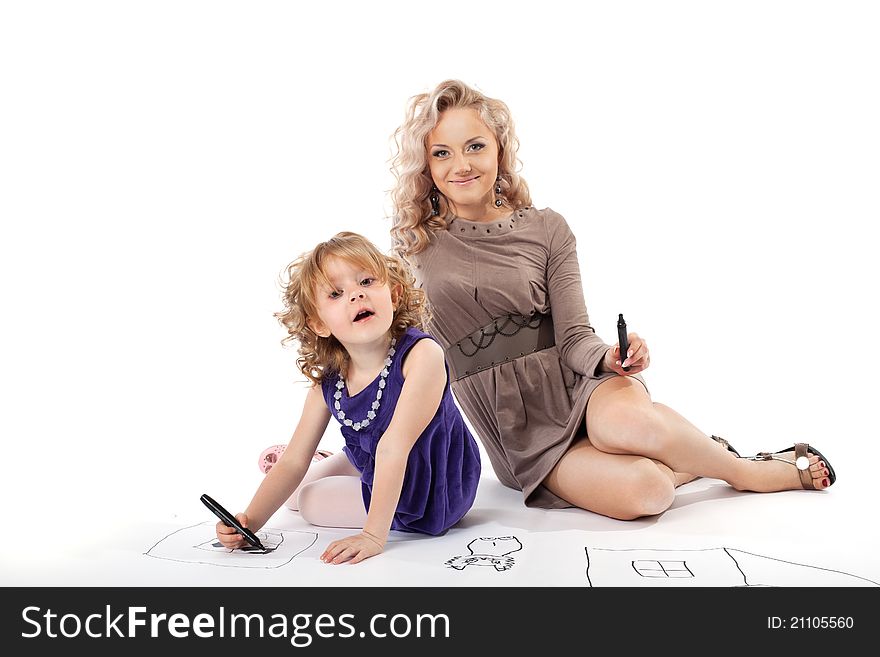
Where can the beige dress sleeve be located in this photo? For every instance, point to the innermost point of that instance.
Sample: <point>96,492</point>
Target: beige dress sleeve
<point>579,346</point>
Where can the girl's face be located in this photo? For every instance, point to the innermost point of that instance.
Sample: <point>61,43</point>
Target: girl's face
<point>357,309</point>
<point>463,160</point>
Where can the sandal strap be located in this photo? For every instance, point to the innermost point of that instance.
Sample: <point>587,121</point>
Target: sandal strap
<point>800,449</point>
<point>721,441</point>
<point>725,444</point>
<point>767,456</point>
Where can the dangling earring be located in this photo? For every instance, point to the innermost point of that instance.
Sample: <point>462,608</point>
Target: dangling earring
<point>435,202</point>
<point>498,201</point>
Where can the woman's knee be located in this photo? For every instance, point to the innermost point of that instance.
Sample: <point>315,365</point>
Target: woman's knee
<point>645,491</point>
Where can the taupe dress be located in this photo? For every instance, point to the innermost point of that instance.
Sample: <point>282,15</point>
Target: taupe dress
<point>528,411</point>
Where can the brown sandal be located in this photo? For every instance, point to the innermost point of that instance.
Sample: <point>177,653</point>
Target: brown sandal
<point>801,462</point>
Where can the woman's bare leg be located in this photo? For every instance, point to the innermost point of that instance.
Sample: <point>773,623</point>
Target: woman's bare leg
<point>622,419</point>
<point>638,451</point>
<point>682,477</point>
<point>620,486</point>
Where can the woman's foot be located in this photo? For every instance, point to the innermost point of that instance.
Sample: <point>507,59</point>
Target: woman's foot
<point>786,470</point>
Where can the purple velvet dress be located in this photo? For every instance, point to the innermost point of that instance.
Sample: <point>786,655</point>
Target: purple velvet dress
<point>443,469</point>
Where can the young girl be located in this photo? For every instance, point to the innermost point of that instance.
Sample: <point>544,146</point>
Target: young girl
<point>409,462</point>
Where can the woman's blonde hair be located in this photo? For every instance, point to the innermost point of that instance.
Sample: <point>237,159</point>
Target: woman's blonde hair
<point>306,275</point>
<point>412,221</point>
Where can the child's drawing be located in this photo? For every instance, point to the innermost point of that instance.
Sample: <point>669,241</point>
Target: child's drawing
<point>488,552</point>
<point>706,567</point>
<point>199,544</point>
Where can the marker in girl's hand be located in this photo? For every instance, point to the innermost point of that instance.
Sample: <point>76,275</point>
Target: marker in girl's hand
<point>622,341</point>
<point>229,520</point>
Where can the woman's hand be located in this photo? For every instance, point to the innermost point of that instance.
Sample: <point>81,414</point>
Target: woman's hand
<point>353,548</point>
<point>230,538</point>
<point>637,357</point>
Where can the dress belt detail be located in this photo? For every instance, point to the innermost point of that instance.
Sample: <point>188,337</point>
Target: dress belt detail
<point>504,339</point>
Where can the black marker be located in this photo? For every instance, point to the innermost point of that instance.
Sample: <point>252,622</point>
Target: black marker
<point>228,520</point>
<point>621,339</point>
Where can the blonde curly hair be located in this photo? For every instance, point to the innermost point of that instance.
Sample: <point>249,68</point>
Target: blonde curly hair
<point>301,280</point>
<point>412,221</point>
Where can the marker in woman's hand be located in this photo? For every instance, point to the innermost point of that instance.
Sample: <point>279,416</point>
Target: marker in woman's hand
<point>622,341</point>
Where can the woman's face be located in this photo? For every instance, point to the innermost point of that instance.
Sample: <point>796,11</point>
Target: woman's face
<point>463,160</point>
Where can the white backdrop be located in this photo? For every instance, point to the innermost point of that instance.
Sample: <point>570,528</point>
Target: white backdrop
<point>161,163</point>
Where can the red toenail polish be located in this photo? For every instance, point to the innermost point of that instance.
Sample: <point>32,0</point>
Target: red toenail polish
<point>825,473</point>
<point>825,483</point>
<point>822,465</point>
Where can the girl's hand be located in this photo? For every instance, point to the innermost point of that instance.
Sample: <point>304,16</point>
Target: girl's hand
<point>353,548</point>
<point>230,538</point>
<point>638,358</point>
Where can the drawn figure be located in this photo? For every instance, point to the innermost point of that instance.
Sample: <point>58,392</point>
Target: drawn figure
<point>195,544</point>
<point>272,540</point>
<point>488,552</point>
<point>706,567</point>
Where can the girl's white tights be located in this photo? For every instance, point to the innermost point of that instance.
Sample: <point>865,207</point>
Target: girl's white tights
<point>330,494</point>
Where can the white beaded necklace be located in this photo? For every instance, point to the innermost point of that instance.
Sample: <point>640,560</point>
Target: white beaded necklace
<point>371,414</point>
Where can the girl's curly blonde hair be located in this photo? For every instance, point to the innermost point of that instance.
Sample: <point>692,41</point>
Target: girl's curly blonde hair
<point>303,277</point>
<point>412,222</point>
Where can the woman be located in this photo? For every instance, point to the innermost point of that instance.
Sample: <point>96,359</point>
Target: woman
<point>559,416</point>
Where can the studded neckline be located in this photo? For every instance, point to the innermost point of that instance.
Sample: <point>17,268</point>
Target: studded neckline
<point>466,228</point>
